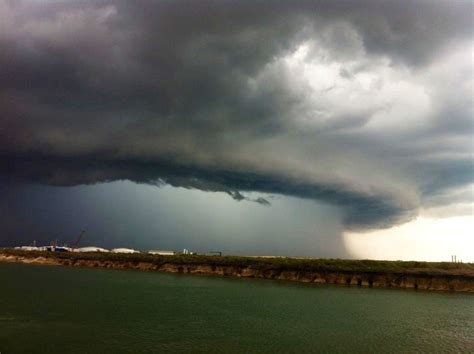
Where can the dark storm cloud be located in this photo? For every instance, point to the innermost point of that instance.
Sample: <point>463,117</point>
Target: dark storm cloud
<point>236,195</point>
<point>298,98</point>
<point>360,210</point>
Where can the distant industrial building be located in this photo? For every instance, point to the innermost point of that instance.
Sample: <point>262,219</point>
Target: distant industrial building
<point>30,248</point>
<point>162,253</point>
<point>124,250</point>
<point>50,248</point>
<point>58,249</point>
<point>90,249</point>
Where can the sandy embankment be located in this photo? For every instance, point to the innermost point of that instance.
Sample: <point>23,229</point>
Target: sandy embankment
<point>441,282</point>
<point>28,260</point>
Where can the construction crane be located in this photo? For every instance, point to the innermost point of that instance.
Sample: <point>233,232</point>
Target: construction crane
<point>74,245</point>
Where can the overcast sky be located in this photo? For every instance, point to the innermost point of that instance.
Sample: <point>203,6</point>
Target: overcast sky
<point>316,128</point>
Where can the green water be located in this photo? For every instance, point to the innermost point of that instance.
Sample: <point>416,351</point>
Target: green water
<point>47,309</point>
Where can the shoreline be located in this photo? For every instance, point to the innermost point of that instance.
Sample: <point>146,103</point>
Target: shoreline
<point>442,276</point>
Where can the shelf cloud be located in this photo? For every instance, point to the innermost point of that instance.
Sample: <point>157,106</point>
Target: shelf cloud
<point>363,105</point>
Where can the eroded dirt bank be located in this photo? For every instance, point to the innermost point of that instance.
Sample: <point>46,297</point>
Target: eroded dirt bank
<point>459,282</point>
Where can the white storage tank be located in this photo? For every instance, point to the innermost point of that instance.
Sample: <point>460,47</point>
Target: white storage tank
<point>162,253</point>
<point>90,249</point>
<point>124,250</point>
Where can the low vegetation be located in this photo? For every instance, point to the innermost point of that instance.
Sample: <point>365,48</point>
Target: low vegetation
<point>264,263</point>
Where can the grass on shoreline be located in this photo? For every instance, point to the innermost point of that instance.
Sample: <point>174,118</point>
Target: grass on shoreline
<point>276,263</point>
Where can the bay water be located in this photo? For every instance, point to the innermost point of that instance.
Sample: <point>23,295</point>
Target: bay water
<point>50,309</point>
